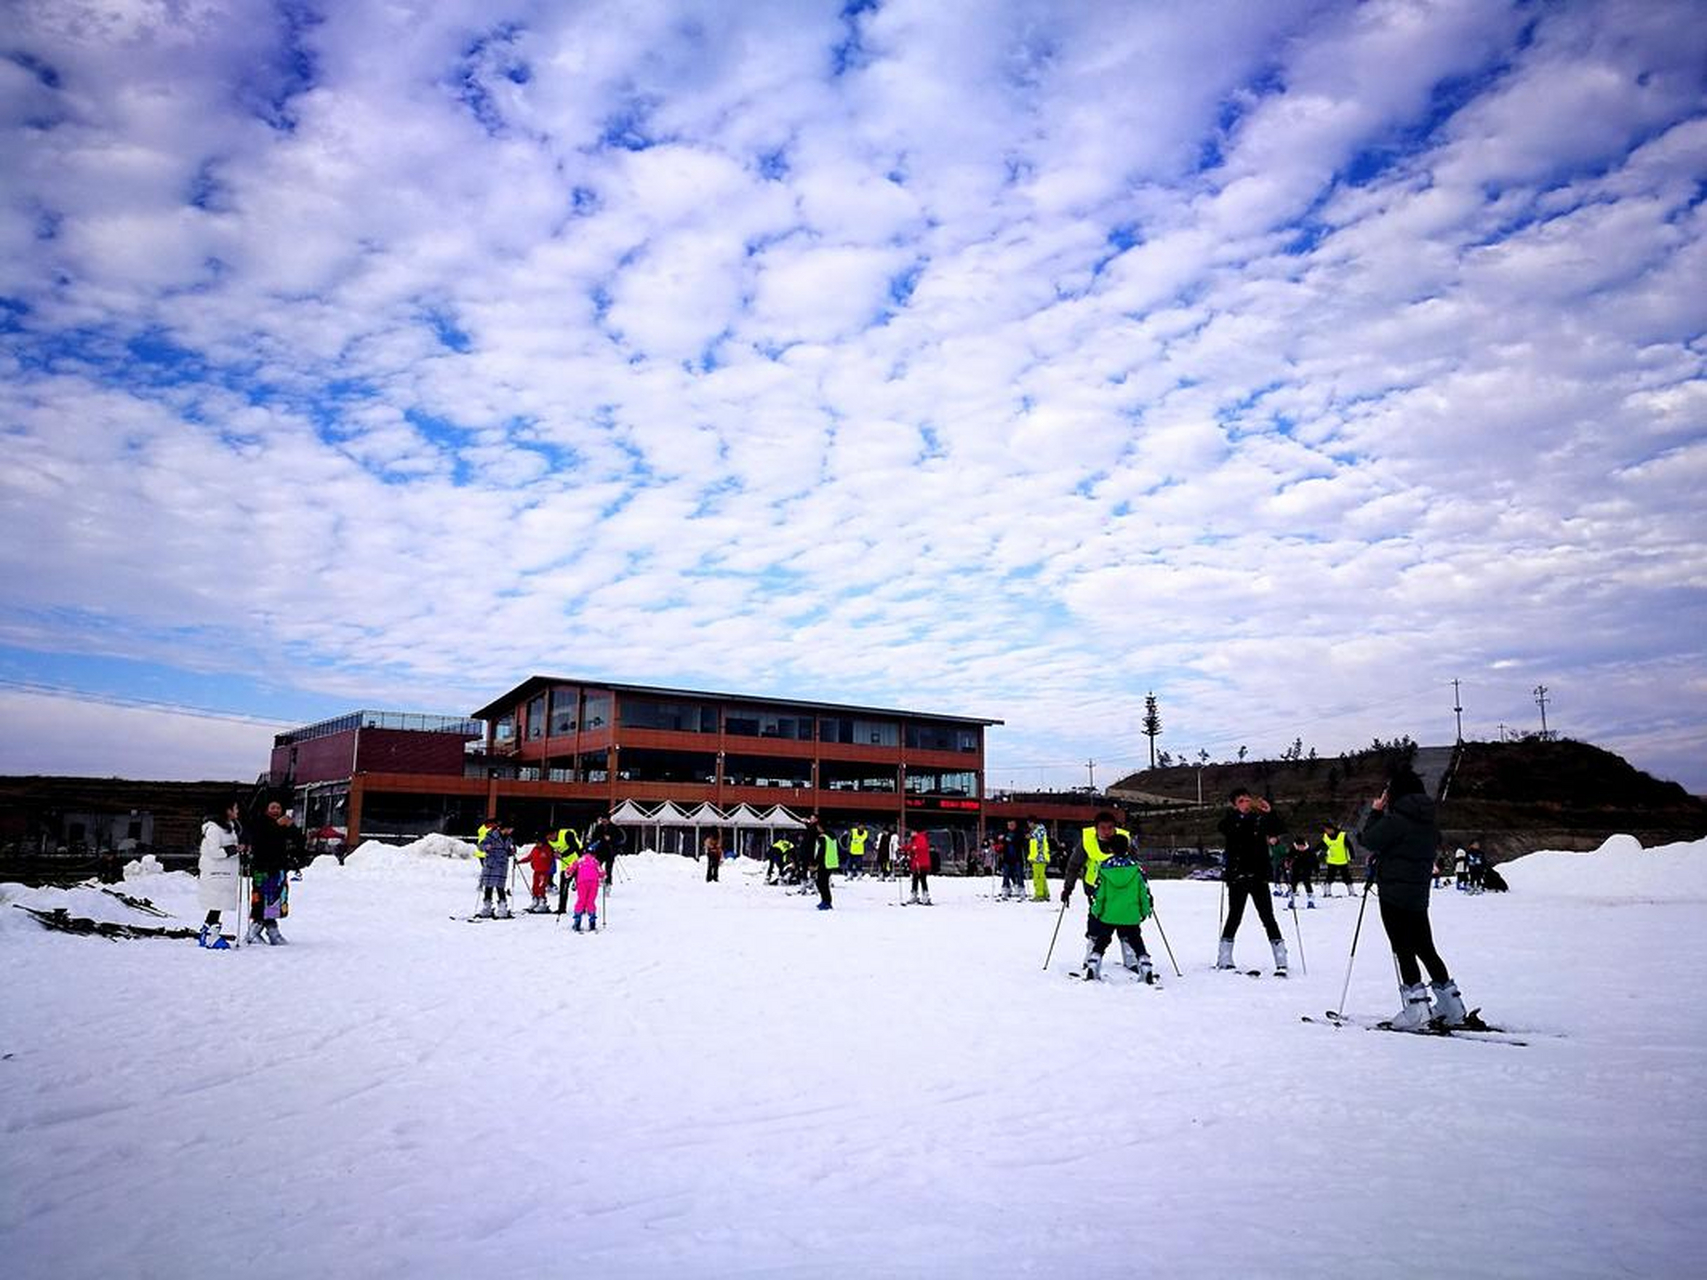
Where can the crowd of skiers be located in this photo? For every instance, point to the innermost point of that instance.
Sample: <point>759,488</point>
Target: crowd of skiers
<point>584,861</point>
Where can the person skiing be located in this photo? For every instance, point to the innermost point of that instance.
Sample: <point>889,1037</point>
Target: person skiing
<point>1337,856</point>
<point>885,852</point>
<point>918,847</point>
<point>495,852</point>
<point>269,865</point>
<point>858,836</point>
<point>1119,896</point>
<point>588,874</point>
<point>776,858</point>
<point>713,856</point>
<point>1402,836</point>
<point>566,845</point>
<point>1037,853</point>
<point>539,858</point>
<point>605,842</point>
<point>826,857</point>
<point>1246,829</point>
<point>1012,853</point>
<point>220,869</point>
<point>1301,870</point>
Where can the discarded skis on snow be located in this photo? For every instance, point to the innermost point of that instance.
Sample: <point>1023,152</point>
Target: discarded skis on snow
<point>62,921</point>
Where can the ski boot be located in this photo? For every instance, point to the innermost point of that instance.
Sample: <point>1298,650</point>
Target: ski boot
<point>1279,946</point>
<point>1310,903</point>
<point>1415,1015</point>
<point>925,901</point>
<point>593,922</point>
<point>577,925</point>
<point>1224,958</point>
<point>1449,1008</point>
<point>270,932</point>
<point>485,912</point>
<point>1092,971</point>
<point>503,911</point>
<point>252,934</point>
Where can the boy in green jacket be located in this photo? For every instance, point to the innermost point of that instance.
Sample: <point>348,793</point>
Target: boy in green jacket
<point>1121,900</point>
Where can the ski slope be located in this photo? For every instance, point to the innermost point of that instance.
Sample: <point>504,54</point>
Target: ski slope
<point>728,1082</point>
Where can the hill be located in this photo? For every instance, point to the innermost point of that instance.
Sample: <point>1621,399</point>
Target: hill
<point>1516,797</point>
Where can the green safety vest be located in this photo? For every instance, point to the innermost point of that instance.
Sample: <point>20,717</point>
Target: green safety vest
<point>856,842</point>
<point>1338,855</point>
<point>479,837</point>
<point>1094,856</point>
<point>832,855</point>
<point>566,844</point>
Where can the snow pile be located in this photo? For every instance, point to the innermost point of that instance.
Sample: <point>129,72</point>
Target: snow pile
<point>146,865</point>
<point>1621,870</point>
<point>91,901</point>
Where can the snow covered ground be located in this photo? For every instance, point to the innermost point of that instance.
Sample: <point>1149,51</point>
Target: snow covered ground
<point>728,1082</point>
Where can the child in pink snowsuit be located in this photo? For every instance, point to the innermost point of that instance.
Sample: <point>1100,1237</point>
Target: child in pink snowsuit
<point>587,878</point>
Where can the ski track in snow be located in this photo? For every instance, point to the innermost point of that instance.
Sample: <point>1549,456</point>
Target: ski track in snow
<point>728,1082</point>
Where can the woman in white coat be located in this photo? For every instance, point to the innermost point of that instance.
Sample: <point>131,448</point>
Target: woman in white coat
<point>221,884</point>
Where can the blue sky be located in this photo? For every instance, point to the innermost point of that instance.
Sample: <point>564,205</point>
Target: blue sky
<point>1290,360</point>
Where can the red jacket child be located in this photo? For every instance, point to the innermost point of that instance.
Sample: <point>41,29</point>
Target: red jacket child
<point>539,858</point>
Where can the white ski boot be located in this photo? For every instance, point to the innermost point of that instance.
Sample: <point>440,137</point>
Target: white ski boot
<point>1224,958</point>
<point>503,911</point>
<point>1415,1015</point>
<point>270,931</point>
<point>485,912</point>
<point>1310,903</point>
<point>925,901</point>
<point>1449,1010</point>
<point>1279,946</point>
<point>1093,963</point>
<point>912,899</point>
<point>252,934</point>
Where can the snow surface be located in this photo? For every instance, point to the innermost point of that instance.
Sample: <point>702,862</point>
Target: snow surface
<point>730,1083</point>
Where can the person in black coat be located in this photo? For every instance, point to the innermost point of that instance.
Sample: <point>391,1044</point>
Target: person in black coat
<point>1402,837</point>
<point>1245,832</point>
<point>269,863</point>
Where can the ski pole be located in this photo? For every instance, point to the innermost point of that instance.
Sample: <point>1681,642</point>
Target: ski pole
<point>1052,937</point>
<point>1221,912</point>
<point>1157,917</point>
<point>1298,932</point>
<point>1340,1012</point>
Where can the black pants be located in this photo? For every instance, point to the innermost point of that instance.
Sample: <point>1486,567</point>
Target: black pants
<point>1412,940</point>
<point>1100,933</point>
<point>1237,892</point>
<point>1302,879</point>
<point>921,882</point>
<point>824,885</point>
<point>1341,871</point>
<point>711,865</point>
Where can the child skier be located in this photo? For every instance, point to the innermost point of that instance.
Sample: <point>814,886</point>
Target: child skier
<point>1302,866</point>
<point>1120,903</point>
<point>919,855</point>
<point>495,851</point>
<point>539,858</point>
<point>588,875</point>
<point>1037,852</point>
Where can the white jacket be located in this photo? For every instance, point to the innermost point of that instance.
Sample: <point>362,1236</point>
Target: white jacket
<point>219,889</point>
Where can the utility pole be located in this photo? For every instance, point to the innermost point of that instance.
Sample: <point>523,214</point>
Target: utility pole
<point>1091,766</point>
<point>1458,710</point>
<point>1502,730</point>
<point>1541,701</point>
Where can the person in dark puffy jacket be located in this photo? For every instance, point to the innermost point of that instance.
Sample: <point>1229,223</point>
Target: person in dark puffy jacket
<point>1402,837</point>
<point>1245,830</point>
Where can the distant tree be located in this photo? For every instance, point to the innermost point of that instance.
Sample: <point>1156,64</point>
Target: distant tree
<point>1152,724</point>
<point>1202,756</point>
<point>1166,759</point>
<point>1293,753</point>
<point>1242,753</point>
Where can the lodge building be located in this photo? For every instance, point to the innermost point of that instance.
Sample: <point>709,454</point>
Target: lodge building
<point>559,751</point>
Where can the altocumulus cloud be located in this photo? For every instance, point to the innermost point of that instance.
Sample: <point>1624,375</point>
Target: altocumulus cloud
<point>1015,359</point>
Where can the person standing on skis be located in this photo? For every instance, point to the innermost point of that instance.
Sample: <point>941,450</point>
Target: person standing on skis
<point>1336,856</point>
<point>1037,853</point>
<point>588,874</point>
<point>1119,896</point>
<point>496,852</point>
<point>918,847</point>
<point>1246,830</point>
<point>1402,836</point>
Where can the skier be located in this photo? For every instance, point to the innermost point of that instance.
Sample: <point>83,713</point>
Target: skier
<point>1301,869</point>
<point>269,864</point>
<point>885,852</point>
<point>1246,829</point>
<point>858,835</point>
<point>1013,860</point>
<point>220,868</point>
<point>1475,867</point>
<point>918,847</point>
<point>1119,896</point>
<point>1037,850</point>
<point>776,859</point>
<point>587,875</point>
<point>1338,859</point>
<point>539,858</point>
<point>566,845</point>
<point>1402,835</point>
<point>713,856</point>
<point>605,842</point>
<point>826,857</point>
<point>495,853</point>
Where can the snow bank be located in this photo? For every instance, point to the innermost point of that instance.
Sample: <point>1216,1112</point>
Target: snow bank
<point>1620,870</point>
<point>146,865</point>
<point>91,901</point>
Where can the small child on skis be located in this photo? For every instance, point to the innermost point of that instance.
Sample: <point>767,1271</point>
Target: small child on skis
<point>540,858</point>
<point>496,851</point>
<point>588,875</point>
<point>1301,869</point>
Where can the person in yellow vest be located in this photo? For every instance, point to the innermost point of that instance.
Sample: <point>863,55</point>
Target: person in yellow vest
<point>857,837</point>
<point>1037,851</point>
<point>775,859</point>
<point>1336,858</point>
<point>565,843</point>
<point>826,857</point>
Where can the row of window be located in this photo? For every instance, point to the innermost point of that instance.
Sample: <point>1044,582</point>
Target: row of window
<point>565,709</point>
<point>643,764</point>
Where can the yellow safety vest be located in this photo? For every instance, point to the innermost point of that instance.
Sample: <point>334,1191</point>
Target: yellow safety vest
<point>856,842</point>
<point>479,839</point>
<point>1338,856</point>
<point>832,855</point>
<point>1094,856</point>
<point>566,844</point>
<point>1039,848</point>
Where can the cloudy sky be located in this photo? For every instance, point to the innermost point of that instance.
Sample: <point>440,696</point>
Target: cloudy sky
<point>1008,359</point>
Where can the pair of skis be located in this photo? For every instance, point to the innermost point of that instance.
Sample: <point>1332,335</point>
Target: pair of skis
<point>1472,1028</point>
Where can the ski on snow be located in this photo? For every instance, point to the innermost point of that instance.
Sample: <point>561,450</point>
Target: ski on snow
<point>1473,1029</point>
<point>1079,974</point>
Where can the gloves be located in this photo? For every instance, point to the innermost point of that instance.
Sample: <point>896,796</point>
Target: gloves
<point>1066,896</point>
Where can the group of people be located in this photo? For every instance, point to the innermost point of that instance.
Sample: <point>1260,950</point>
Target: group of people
<point>1298,861</point>
<point>810,860</point>
<point>245,866</point>
<point>584,860</point>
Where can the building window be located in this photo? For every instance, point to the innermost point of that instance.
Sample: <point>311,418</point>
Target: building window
<point>758,723</point>
<point>941,737</point>
<point>505,730</point>
<point>941,782</point>
<point>865,733</point>
<point>678,717</point>
<point>536,718</point>
<point>595,711</point>
<point>565,711</point>
<point>763,771</point>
